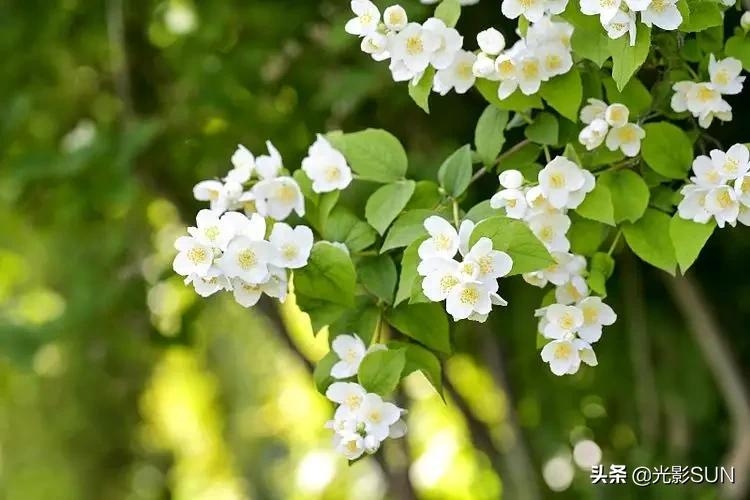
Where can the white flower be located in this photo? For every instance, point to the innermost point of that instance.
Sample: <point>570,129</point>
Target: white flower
<point>662,13</point>
<point>626,138</point>
<point>732,164</point>
<point>401,73</point>
<point>679,101</point>
<point>247,259</point>
<point>558,179</point>
<point>551,230</point>
<point>276,198</point>
<point>745,21</point>
<point>378,416</point>
<point>440,277</point>
<point>268,166</point>
<point>512,200</point>
<point>511,179</point>
<point>243,162</point>
<point>742,188</point>
<point>707,173</point>
<point>376,44</point>
<point>605,9</point>
<point>595,315</point>
<point>443,240</point>
<point>722,111</point>
<point>484,67</point>
<point>351,351</point>
<point>292,245</point>
<point>222,196</point>
<point>693,205</point>
<point>464,235</point>
<point>562,320</point>
<point>397,430</point>
<point>593,134</point>
<point>193,257</point>
<point>529,73</point>
<point>490,264</point>
<point>725,75</point>
<point>594,110</point>
<point>616,115</point>
<point>395,18</point>
<point>566,267</point>
<point>210,231</point>
<point>210,283</point>
<point>548,31</point>
<point>349,395</point>
<point>572,291</point>
<point>702,97</point>
<point>533,10</point>
<point>555,58</point>
<point>722,203</point>
<point>277,284</point>
<point>326,167</point>
<point>350,445</point>
<point>366,22</point>
<point>414,46</point>
<point>459,75</point>
<point>623,22</point>
<point>562,356</point>
<point>246,294</point>
<point>468,298</point>
<point>491,41</point>
<point>449,43</point>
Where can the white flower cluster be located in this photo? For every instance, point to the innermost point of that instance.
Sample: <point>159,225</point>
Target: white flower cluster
<point>326,167</point>
<point>572,329</point>
<point>542,54</point>
<point>255,185</point>
<point>532,10</point>
<point>412,47</point>
<point>462,2</point>
<point>363,420</point>
<point>468,287</point>
<point>623,135</point>
<point>703,100</point>
<point>618,17</point>
<point>230,252</point>
<point>720,188</point>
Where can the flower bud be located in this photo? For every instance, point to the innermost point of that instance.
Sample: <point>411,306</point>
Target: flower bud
<point>745,21</point>
<point>511,179</point>
<point>484,66</point>
<point>491,41</point>
<point>395,18</point>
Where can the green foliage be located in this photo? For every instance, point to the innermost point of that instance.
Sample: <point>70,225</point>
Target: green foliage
<point>455,173</point>
<point>489,135</point>
<point>667,150</point>
<point>704,14</point>
<point>634,95</point>
<point>628,192</point>
<point>543,130</point>
<point>516,239</point>
<point>420,93</point>
<point>564,93</point>
<point>407,228</point>
<point>420,359</point>
<point>449,11</point>
<point>378,275</point>
<point>322,373</point>
<point>386,203</point>
<point>738,47</point>
<point>325,287</point>
<point>601,268</point>
<point>589,39</point>
<point>650,239</point>
<point>627,59</point>
<point>408,278</point>
<point>517,101</point>
<point>425,323</point>
<point>598,205</point>
<point>343,226</point>
<point>376,155</point>
<point>363,319</point>
<point>688,239</point>
<point>380,370</point>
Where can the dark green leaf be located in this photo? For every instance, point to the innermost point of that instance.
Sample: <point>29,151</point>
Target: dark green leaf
<point>425,323</point>
<point>386,203</point>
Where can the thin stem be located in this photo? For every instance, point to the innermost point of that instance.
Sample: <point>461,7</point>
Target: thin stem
<point>615,242</point>
<point>456,219</point>
<point>479,173</point>
<point>546,154</point>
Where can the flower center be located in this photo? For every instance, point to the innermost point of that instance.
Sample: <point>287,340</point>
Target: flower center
<point>212,233</point>
<point>447,283</point>
<point>505,69</point>
<point>353,401</point>
<point>563,351</point>
<point>722,77</point>
<point>485,265</point>
<point>553,61</point>
<point>443,242</point>
<point>566,321</point>
<point>627,134</point>
<point>414,45</point>
<point>724,199</point>
<point>332,174</point>
<point>590,315</point>
<point>530,70</point>
<point>289,251</point>
<point>557,180</point>
<point>705,94</point>
<point>469,295</point>
<point>196,255</point>
<point>247,259</point>
<point>375,417</point>
<point>546,234</point>
<point>286,194</point>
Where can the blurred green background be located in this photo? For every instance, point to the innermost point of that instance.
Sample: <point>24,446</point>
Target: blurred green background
<point>118,382</point>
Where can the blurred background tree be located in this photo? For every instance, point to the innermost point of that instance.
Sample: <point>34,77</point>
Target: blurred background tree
<point>116,383</point>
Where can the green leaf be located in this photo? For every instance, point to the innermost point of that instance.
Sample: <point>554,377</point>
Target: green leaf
<point>688,238</point>
<point>455,173</point>
<point>449,11</point>
<point>420,93</point>
<point>564,93</point>
<point>598,205</point>
<point>626,60</point>
<point>571,154</point>
<point>407,228</point>
<point>586,236</point>
<point>380,371</point>
<point>515,102</point>
<point>629,194</point>
<point>425,323</point>
<point>420,359</point>
<point>634,95</point>
<point>426,195</point>
<point>374,154</point>
<point>515,238</point>
<point>667,150</point>
<point>602,266</point>
<point>589,40</point>
<point>408,276</point>
<point>378,276</point>
<point>738,47</point>
<point>489,136</point>
<point>386,203</point>
<point>345,227</point>
<point>543,130</point>
<point>322,373</point>
<point>649,239</point>
<point>703,15</point>
<point>521,158</point>
<point>325,286</point>
<point>363,319</point>
<point>320,206</point>
<point>481,211</point>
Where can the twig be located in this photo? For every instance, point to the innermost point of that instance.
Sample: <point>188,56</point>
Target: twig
<point>707,334</point>
<point>479,173</point>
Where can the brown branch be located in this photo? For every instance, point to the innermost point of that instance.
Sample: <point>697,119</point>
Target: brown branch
<point>708,336</point>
